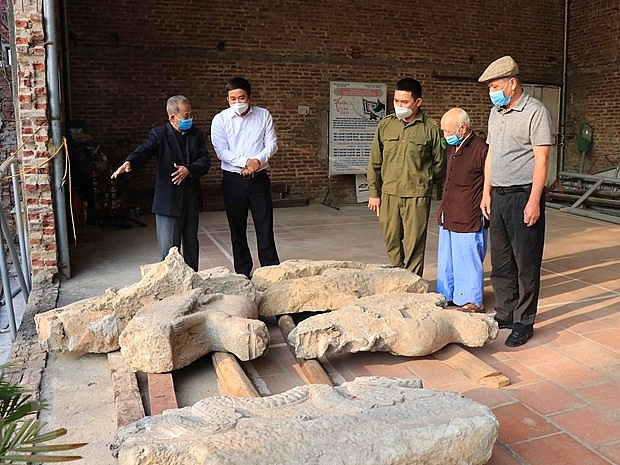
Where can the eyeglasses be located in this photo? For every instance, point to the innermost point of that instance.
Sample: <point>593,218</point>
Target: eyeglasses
<point>185,116</point>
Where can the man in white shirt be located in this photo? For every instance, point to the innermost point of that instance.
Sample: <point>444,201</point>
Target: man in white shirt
<point>244,140</point>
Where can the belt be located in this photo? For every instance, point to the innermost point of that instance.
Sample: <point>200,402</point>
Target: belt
<point>251,176</point>
<point>501,190</point>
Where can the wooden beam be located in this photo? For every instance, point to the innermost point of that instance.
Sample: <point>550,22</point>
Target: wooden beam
<point>161,392</point>
<point>127,399</point>
<point>312,368</point>
<point>471,366</point>
<point>233,380</point>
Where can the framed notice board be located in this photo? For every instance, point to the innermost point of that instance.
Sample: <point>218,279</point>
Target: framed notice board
<point>354,111</point>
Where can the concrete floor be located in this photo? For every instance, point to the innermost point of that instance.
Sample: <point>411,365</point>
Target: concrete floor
<point>563,404</point>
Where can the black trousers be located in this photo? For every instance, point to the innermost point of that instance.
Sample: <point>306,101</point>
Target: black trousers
<point>516,256</point>
<point>240,196</point>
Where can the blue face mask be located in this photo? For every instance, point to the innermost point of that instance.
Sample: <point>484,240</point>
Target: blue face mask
<point>185,124</point>
<point>453,139</point>
<point>498,98</point>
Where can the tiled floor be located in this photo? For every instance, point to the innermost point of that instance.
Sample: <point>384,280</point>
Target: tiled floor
<point>563,403</point>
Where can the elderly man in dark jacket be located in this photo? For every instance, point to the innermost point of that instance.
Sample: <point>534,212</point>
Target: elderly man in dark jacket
<point>182,158</point>
<point>462,233</point>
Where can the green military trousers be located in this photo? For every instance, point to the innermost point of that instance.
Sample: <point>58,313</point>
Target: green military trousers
<point>404,221</point>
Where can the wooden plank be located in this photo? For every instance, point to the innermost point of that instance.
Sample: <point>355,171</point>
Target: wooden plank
<point>161,392</point>
<point>313,369</point>
<point>233,380</point>
<point>127,399</point>
<point>471,366</point>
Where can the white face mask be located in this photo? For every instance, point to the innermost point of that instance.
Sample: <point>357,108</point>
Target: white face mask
<point>402,112</point>
<point>240,108</point>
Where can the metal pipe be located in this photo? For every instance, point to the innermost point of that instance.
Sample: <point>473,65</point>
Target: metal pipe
<point>21,231</point>
<point>589,177</point>
<point>50,19</point>
<point>563,93</point>
<point>66,74</point>
<point>6,285</point>
<point>6,233</point>
<point>14,293</point>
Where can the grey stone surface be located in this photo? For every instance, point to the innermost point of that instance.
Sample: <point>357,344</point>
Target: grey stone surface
<point>335,287</point>
<point>94,324</point>
<point>221,280</point>
<point>400,323</point>
<point>302,268</point>
<point>172,333</point>
<point>367,421</point>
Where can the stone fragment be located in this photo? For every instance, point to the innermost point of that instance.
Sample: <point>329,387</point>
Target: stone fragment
<point>335,287</point>
<point>265,276</point>
<point>399,323</point>
<point>94,324</point>
<point>221,280</point>
<point>172,333</point>
<point>366,421</point>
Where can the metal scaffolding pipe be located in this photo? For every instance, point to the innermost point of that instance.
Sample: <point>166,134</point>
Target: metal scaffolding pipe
<point>563,94</point>
<point>50,19</point>
<point>21,228</point>
<point>589,177</point>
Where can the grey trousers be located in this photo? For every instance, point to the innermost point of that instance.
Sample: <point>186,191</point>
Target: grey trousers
<point>180,232</point>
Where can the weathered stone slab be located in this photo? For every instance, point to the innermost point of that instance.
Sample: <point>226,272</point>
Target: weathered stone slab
<point>174,332</point>
<point>399,323</point>
<point>221,280</point>
<point>367,421</point>
<point>265,276</point>
<point>335,288</point>
<point>94,324</point>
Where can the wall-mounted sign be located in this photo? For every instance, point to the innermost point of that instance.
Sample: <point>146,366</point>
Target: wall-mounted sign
<point>354,111</point>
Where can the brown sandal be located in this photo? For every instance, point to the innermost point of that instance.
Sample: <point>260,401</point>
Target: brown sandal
<point>471,308</point>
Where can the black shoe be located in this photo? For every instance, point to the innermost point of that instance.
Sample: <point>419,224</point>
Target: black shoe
<point>520,335</point>
<point>503,324</point>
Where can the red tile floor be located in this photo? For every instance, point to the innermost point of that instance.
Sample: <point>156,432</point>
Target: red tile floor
<point>563,403</point>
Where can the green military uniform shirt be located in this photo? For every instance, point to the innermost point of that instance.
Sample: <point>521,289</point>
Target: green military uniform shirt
<point>405,158</point>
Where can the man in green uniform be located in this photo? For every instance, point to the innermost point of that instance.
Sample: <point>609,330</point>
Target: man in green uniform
<point>406,158</point>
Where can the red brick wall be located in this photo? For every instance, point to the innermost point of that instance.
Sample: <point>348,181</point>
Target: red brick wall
<point>594,82</point>
<point>125,63</point>
<point>32,138</point>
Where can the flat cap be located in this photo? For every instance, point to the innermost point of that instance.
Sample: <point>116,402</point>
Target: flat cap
<point>502,67</point>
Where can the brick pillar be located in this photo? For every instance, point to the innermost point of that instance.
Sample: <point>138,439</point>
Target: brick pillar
<point>32,138</point>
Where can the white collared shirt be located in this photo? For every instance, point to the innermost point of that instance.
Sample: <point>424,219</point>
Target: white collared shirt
<point>237,139</point>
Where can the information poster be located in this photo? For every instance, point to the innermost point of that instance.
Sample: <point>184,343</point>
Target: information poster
<point>361,188</point>
<point>354,111</point>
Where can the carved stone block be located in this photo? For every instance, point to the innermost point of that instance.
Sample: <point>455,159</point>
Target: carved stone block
<point>367,421</point>
<point>172,333</point>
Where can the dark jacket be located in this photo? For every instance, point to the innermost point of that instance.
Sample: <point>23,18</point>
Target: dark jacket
<point>459,210</point>
<point>165,144</point>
